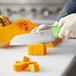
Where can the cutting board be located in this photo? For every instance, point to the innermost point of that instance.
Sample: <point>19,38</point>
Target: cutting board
<point>54,63</point>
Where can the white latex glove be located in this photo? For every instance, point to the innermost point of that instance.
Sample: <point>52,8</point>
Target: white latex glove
<point>68,24</point>
<point>44,27</point>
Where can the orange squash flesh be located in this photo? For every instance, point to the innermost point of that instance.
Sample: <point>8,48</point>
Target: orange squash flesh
<point>26,65</point>
<point>53,43</point>
<point>25,59</point>
<point>37,49</point>
<point>21,26</point>
<point>8,32</point>
<point>25,24</point>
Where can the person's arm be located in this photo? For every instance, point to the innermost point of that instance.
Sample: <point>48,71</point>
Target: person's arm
<point>69,8</point>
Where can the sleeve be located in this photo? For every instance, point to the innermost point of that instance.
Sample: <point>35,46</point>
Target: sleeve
<point>69,8</point>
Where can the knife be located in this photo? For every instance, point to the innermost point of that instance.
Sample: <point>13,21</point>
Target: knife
<point>32,38</point>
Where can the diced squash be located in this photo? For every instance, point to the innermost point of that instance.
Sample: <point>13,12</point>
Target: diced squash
<point>58,40</point>
<point>24,65</point>
<point>55,42</point>
<point>17,61</point>
<point>27,68</point>
<point>32,62</point>
<point>50,44</point>
<point>30,50</point>
<point>37,49</point>
<point>34,67</point>
<point>17,67</point>
<point>25,59</point>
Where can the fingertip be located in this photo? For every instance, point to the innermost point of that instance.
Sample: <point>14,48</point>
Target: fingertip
<point>61,35</point>
<point>34,30</point>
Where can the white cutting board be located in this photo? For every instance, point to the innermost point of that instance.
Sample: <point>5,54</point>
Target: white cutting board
<point>54,63</point>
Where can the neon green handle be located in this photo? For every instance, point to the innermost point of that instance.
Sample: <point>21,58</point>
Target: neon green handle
<point>56,31</point>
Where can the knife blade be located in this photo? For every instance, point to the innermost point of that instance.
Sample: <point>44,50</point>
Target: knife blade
<point>32,38</point>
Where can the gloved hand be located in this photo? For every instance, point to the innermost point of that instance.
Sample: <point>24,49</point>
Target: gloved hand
<point>68,24</point>
<point>44,27</point>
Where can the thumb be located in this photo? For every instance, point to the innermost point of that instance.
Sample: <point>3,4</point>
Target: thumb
<point>64,33</point>
<point>61,33</point>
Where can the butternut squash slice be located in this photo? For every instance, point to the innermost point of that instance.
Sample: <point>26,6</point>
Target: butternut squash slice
<point>25,24</point>
<point>7,33</point>
<point>18,27</point>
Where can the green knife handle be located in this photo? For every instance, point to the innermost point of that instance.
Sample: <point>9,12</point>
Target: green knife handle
<point>56,31</point>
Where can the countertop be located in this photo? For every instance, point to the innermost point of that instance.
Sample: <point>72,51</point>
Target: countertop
<point>55,63</point>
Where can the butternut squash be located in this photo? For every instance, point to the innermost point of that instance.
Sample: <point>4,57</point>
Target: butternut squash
<point>25,24</point>
<point>26,65</point>
<point>18,27</point>
<point>37,49</point>
<point>53,43</point>
<point>34,67</point>
<point>4,21</point>
<point>25,59</point>
<point>27,68</point>
<point>17,67</point>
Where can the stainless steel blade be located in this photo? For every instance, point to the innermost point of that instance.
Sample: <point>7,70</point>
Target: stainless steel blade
<point>32,38</point>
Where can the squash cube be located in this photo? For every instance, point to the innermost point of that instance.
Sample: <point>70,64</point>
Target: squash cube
<point>32,62</point>
<point>55,42</point>
<point>27,68</point>
<point>17,67</point>
<point>17,61</point>
<point>30,48</point>
<point>25,59</point>
<point>34,67</point>
<point>24,65</point>
<point>37,49</point>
